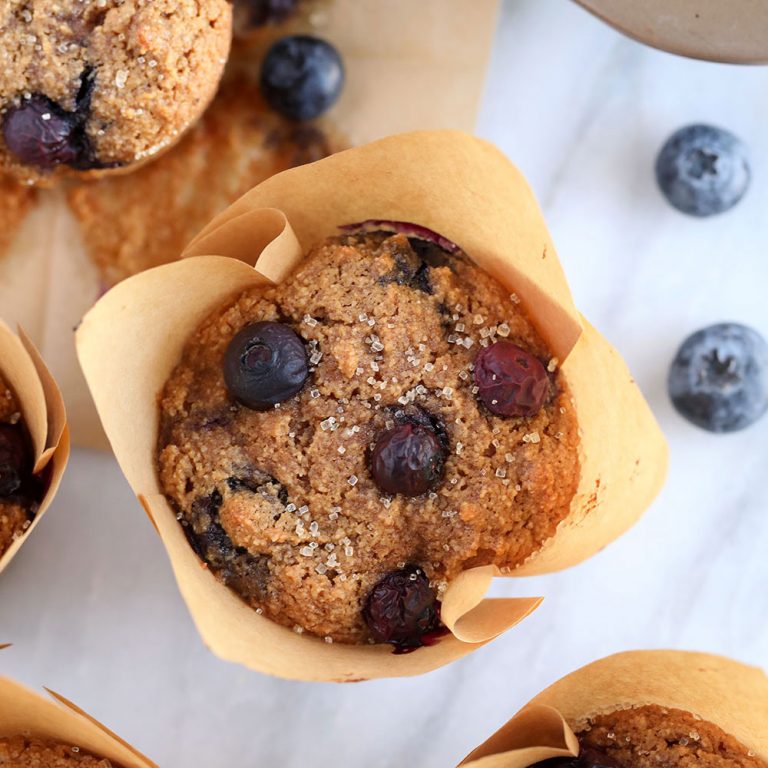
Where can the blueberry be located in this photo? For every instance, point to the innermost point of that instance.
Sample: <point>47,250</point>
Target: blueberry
<point>15,459</point>
<point>509,380</point>
<point>719,377</point>
<point>261,12</point>
<point>302,77</point>
<point>408,459</point>
<point>588,758</point>
<point>703,170</point>
<point>39,132</point>
<point>265,363</point>
<point>402,608</point>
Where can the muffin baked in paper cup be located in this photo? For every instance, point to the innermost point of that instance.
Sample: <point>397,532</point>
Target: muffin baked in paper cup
<point>715,689</point>
<point>43,414</point>
<point>468,192</point>
<point>25,713</point>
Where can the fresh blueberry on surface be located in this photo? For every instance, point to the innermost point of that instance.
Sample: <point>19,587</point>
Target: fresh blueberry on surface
<point>703,170</point>
<point>302,77</point>
<point>402,609</point>
<point>261,12</point>
<point>14,459</point>
<point>509,380</point>
<point>719,377</point>
<point>265,363</point>
<point>408,459</point>
<point>39,132</point>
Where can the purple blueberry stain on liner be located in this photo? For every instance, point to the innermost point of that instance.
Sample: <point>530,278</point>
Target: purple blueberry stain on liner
<point>402,228</point>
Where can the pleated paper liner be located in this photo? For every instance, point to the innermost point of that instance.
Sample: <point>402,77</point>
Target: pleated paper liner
<point>468,192</point>
<point>732,696</point>
<point>43,414</point>
<point>25,713</point>
<point>408,64</point>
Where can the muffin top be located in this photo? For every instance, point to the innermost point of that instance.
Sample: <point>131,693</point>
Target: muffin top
<point>25,752</point>
<point>99,85</point>
<point>655,737</point>
<point>379,456</point>
<point>20,492</point>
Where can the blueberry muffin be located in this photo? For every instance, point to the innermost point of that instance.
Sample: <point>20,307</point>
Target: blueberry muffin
<point>655,737</point>
<point>104,85</point>
<point>338,448</point>
<point>20,490</point>
<point>26,752</point>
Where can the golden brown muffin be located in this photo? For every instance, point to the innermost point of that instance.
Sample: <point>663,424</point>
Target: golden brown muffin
<point>282,504</point>
<point>104,85</point>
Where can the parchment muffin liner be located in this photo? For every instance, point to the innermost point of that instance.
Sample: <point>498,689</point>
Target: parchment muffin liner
<point>468,192</point>
<point>25,713</point>
<point>43,413</point>
<point>720,691</point>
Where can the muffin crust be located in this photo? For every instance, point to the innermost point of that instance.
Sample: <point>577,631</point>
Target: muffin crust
<point>25,752</point>
<point>281,503</point>
<point>656,737</point>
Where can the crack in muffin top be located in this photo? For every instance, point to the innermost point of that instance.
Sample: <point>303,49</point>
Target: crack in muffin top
<point>282,503</point>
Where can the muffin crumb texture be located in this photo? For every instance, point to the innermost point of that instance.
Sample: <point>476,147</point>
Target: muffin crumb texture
<point>656,737</point>
<point>98,85</point>
<point>281,503</point>
<point>25,752</point>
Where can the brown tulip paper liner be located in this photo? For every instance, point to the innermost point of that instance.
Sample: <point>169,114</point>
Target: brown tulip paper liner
<point>468,192</point>
<point>720,691</point>
<point>48,281</point>
<point>25,713</point>
<point>43,414</point>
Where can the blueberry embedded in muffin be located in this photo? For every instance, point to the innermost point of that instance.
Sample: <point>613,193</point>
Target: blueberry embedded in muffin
<point>97,86</point>
<point>385,457</point>
<point>20,490</point>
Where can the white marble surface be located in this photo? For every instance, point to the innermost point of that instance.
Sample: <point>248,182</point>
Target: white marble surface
<point>91,604</point>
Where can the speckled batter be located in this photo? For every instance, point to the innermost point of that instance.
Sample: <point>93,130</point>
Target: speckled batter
<point>654,737</point>
<point>281,503</point>
<point>25,752</point>
<point>141,70</point>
